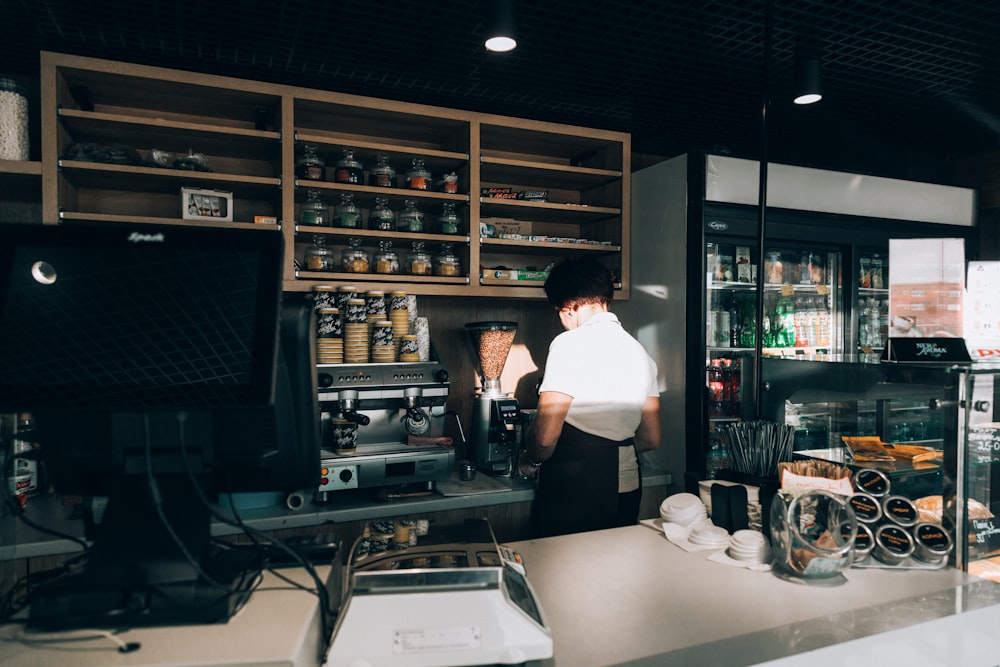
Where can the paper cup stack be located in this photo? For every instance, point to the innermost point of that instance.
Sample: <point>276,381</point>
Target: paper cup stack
<point>356,332</point>
<point>375,304</point>
<point>383,346</point>
<point>399,315</point>
<point>329,337</point>
<point>683,509</point>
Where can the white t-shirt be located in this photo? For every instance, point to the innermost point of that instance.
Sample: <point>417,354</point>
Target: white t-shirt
<point>610,376</point>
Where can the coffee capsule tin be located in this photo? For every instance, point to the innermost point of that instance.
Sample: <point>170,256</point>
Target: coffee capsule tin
<point>932,543</point>
<point>864,541</point>
<point>893,544</point>
<point>867,508</point>
<point>900,510</point>
<point>873,482</point>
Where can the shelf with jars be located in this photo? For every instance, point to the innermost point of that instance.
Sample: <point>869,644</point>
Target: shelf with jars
<point>120,141</point>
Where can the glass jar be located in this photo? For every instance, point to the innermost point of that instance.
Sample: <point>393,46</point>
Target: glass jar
<point>448,220</point>
<point>348,169</point>
<point>446,262</point>
<point>418,177</point>
<point>354,258</point>
<point>382,175</point>
<point>310,166</point>
<point>346,213</point>
<point>411,219</point>
<point>13,121</point>
<point>318,257</point>
<point>381,217</point>
<point>448,183</point>
<point>386,259</point>
<point>418,262</point>
<point>314,211</point>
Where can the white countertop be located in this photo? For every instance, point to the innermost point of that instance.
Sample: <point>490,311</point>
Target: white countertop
<point>627,596</point>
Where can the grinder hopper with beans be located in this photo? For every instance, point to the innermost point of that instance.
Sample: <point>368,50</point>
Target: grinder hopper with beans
<point>496,416</point>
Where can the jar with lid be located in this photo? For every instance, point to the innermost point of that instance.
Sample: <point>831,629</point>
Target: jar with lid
<point>446,262</point>
<point>13,121</point>
<point>318,257</point>
<point>449,220</point>
<point>418,262</point>
<point>310,166</point>
<point>348,169</point>
<point>448,183</point>
<point>346,213</point>
<point>411,219</point>
<point>354,259</point>
<point>386,259</point>
<point>382,175</point>
<point>418,177</point>
<point>314,210</point>
<point>381,217</point>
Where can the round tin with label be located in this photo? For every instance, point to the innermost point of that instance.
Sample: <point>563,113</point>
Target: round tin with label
<point>932,543</point>
<point>900,511</point>
<point>867,508</point>
<point>864,540</point>
<point>893,544</point>
<point>873,482</point>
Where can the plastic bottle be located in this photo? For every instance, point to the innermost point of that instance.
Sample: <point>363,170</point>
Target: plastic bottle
<point>716,389</point>
<point>734,324</point>
<point>736,389</point>
<point>717,458</point>
<point>786,322</point>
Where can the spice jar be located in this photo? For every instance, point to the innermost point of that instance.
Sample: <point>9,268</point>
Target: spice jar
<point>446,263</point>
<point>418,262</point>
<point>354,259</point>
<point>318,257</point>
<point>382,175</point>
<point>448,183</point>
<point>381,217</point>
<point>411,219</point>
<point>448,219</point>
<point>310,166</point>
<point>347,213</point>
<point>348,169</point>
<point>418,177</point>
<point>386,259</point>
<point>314,211</point>
<point>13,121</point>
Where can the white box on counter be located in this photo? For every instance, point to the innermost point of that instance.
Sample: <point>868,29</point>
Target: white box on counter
<point>213,205</point>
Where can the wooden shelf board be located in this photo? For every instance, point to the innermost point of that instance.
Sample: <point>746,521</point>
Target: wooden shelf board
<point>146,219</point>
<point>544,176</point>
<point>152,179</point>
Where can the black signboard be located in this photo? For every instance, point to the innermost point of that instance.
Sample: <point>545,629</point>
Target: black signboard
<point>984,446</point>
<point>927,350</point>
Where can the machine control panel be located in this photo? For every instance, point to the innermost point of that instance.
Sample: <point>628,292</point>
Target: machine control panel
<point>338,477</point>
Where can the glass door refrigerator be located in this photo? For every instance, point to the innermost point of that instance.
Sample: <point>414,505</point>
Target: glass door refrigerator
<point>699,267</point>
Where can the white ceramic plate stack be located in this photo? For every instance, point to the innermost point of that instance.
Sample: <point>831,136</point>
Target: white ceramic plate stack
<point>707,534</point>
<point>749,546</point>
<point>682,509</point>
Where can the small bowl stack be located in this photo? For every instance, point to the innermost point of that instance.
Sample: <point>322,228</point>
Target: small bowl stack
<point>704,533</point>
<point>749,546</point>
<point>682,509</point>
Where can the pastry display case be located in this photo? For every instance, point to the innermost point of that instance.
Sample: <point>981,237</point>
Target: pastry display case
<point>935,425</point>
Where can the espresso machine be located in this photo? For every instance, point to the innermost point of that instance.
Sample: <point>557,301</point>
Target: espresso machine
<point>383,425</point>
<point>496,416</point>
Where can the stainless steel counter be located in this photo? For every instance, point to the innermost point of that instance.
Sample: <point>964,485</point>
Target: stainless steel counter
<point>627,596</point>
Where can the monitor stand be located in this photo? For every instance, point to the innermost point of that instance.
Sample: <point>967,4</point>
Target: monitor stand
<point>137,574</point>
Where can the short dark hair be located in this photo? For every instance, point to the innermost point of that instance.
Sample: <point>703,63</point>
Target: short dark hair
<point>579,281</point>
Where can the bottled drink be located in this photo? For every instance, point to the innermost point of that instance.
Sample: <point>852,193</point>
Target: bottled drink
<point>736,389</point>
<point>734,324</point>
<point>786,322</point>
<point>727,384</point>
<point>716,389</point>
<point>717,457</point>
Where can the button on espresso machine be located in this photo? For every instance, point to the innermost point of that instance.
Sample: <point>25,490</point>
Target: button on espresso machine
<point>496,416</point>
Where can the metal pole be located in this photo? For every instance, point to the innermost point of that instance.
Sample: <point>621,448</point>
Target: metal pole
<point>762,212</point>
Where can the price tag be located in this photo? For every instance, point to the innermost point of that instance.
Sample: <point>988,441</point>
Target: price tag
<point>984,446</point>
<point>787,290</point>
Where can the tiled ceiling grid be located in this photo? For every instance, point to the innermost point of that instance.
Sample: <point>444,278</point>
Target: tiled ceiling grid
<point>907,82</point>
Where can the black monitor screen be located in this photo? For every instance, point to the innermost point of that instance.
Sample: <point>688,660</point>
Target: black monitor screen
<point>115,316</point>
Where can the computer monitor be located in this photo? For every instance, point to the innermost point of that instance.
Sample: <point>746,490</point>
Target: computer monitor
<point>163,368</point>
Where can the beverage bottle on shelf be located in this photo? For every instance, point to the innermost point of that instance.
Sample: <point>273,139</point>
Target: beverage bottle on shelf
<point>727,384</point>
<point>785,311</point>
<point>716,458</point>
<point>716,389</point>
<point>736,389</point>
<point>799,319</point>
<point>734,323</point>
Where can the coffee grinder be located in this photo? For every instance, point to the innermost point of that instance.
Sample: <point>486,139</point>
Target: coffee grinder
<point>496,416</point>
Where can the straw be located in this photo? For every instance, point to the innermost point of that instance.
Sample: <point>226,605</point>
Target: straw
<point>757,447</point>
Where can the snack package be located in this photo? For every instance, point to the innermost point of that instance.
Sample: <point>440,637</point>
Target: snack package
<point>867,448</point>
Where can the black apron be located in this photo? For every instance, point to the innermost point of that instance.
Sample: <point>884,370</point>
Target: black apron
<point>578,486</point>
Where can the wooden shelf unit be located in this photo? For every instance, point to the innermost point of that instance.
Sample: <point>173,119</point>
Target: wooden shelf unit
<point>252,133</point>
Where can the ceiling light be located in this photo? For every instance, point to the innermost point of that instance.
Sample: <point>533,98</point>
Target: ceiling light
<point>500,29</point>
<point>808,83</point>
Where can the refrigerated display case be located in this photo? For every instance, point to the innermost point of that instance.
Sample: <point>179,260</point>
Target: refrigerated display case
<point>698,271</point>
<point>954,408</point>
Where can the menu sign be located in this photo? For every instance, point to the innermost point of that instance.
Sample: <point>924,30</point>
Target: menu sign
<point>982,314</point>
<point>926,288</point>
<point>984,446</point>
<point>985,532</point>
